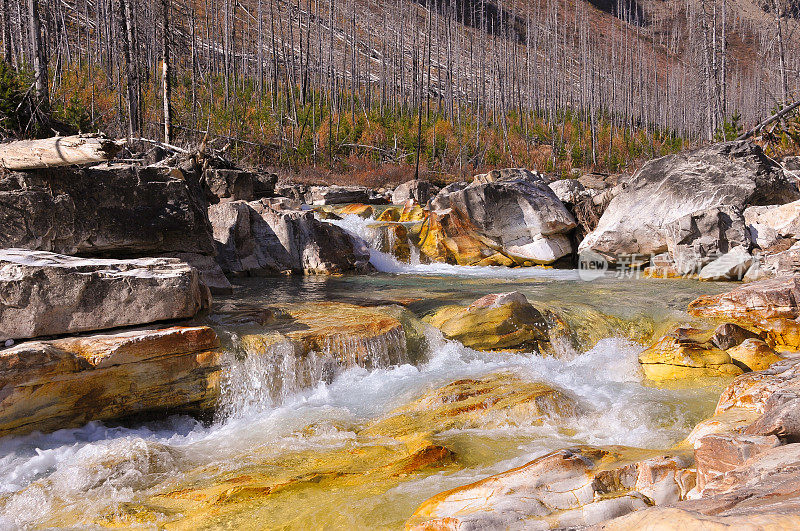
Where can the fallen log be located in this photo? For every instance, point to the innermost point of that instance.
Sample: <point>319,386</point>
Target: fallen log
<point>58,151</point>
<point>775,117</point>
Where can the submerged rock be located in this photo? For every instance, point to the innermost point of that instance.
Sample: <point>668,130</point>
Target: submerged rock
<point>45,294</point>
<point>254,238</point>
<point>573,487</point>
<point>512,211</point>
<point>735,174</point>
<point>495,322</point>
<point>116,209</point>
<point>65,383</point>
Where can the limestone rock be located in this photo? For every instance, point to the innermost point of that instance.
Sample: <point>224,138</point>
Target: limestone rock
<point>420,190</point>
<point>683,354</point>
<point>210,272</point>
<point>735,174</point>
<point>116,209</point>
<point>697,239</point>
<point>516,212</point>
<point>717,454</point>
<point>253,238</point>
<point>730,266</point>
<point>63,383</point>
<point>781,418</point>
<point>569,488</point>
<point>784,220</point>
<point>780,262</point>
<point>49,294</point>
<point>494,322</point>
<point>765,299</point>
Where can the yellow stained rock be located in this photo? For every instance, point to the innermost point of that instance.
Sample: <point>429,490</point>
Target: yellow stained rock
<point>448,237</point>
<point>357,209</point>
<point>754,354</point>
<point>353,335</point>
<point>495,322</point>
<point>63,383</point>
<point>781,334</point>
<point>685,353</point>
<point>412,211</point>
<point>500,399</point>
<point>572,487</point>
<point>391,238</point>
<point>390,214</point>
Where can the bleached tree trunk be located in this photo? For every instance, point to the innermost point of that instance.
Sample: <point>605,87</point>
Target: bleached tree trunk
<point>7,32</point>
<point>37,50</point>
<point>57,151</point>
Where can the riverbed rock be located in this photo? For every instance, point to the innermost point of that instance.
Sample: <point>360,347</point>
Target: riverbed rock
<point>420,191</point>
<point>722,452</point>
<point>254,238</point>
<point>211,274</point>
<point>495,322</point>
<point>496,400</point>
<point>114,209</point>
<point>697,239</point>
<point>65,383</point>
<point>730,266</point>
<point>449,236</point>
<point>45,294</point>
<point>569,488</point>
<point>516,212</point>
<point>761,493</point>
<point>736,174</point>
<point>729,335</point>
<point>753,354</point>
<point>753,302</point>
<point>686,353</point>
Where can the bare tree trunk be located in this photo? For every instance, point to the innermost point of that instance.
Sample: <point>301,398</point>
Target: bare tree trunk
<point>39,61</point>
<point>165,72</point>
<point>6,32</point>
<point>58,151</point>
<point>126,33</point>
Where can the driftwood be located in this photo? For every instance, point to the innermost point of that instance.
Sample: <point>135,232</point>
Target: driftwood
<point>58,151</point>
<point>775,117</point>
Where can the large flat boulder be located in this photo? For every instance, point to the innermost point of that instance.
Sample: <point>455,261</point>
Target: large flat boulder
<point>254,238</point>
<point>117,210</point>
<point>736,174</point>
<point>64,383</point>
<point>45,294</point>
<point>513,211</point>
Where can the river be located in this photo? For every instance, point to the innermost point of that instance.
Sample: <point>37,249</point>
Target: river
<point>322,452</point>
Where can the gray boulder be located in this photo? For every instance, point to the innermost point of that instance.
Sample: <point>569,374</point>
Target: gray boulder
<point>666,189</point>
<point>254,238</point>
<point>45,294</point>
<point>337,195</point>
<point>118,210</point>
<point>770,223</point>
<point>419,190</point>
<point>701,237</point>
<point>730,266</point>
<point>568,190</point>
<point>517,211</point>
<point>228,185</point>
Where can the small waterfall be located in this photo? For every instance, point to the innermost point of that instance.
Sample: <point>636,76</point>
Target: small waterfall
<point>263,374</point>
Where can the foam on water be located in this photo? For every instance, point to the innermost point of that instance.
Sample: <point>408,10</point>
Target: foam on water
<point>96,467</point>
<point>387,263</point>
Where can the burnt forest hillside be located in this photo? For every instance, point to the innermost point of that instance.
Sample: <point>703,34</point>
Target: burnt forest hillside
<point>370,87</point>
